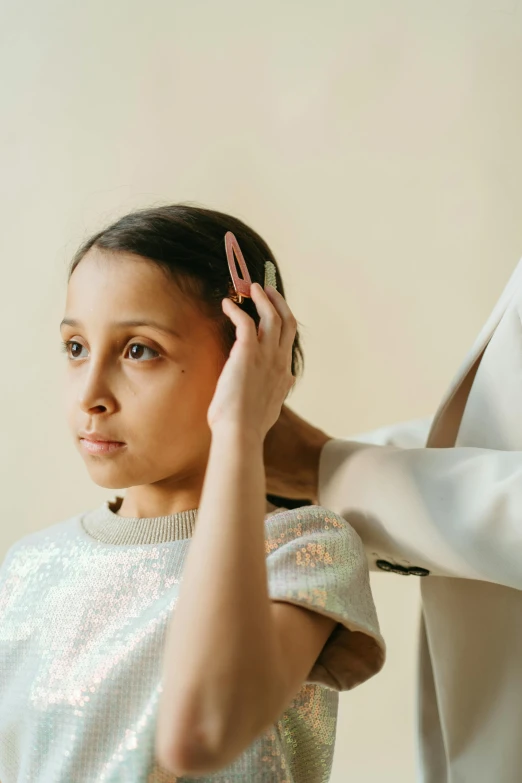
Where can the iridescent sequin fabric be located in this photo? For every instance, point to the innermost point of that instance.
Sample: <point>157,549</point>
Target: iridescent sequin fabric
<point>84,609</point>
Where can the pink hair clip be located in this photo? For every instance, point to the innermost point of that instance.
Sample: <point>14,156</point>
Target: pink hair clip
<point>240,287</point>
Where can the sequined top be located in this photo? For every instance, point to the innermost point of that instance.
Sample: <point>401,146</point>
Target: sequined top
<point>84,609</point>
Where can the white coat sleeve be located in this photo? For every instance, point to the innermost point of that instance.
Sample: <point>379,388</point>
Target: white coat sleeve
<point>455,512</point>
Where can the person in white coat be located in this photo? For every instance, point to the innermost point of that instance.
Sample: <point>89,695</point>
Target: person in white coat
<point>442,499</point>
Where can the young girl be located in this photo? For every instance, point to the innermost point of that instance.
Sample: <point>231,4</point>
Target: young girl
<point>188,629</point>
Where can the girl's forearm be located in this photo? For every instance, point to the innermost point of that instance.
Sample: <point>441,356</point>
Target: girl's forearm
<point>221,652</point>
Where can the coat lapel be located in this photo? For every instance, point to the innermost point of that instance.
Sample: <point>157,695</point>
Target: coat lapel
<point>492,417</point>
<point>445,427</point>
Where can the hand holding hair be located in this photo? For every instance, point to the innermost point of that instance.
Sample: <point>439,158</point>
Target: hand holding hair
<point>256,377</point>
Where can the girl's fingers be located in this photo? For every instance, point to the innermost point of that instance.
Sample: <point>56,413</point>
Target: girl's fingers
<point>270,323</point>
<point>245,327</point>
<point>289,323</point>
<point>277,326</point>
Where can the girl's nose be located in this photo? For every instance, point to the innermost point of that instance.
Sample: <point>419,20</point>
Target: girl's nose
<point>95,395</point>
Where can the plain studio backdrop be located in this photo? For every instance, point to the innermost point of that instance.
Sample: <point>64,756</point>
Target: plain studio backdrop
<point>375,145</point>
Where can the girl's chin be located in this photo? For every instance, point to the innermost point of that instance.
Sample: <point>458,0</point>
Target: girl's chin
<point>106,484</point>
<point>110,478</point>
<point>112,474</point>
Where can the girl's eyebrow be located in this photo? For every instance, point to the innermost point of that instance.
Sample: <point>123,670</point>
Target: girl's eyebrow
<point>122,324</point>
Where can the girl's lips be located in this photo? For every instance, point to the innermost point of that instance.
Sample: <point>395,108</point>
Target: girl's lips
<point>101,446</point>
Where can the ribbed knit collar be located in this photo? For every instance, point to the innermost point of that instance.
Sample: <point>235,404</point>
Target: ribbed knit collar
<point>105,525</point>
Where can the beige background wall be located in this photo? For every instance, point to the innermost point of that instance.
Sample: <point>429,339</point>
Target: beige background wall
<point>376,145</point>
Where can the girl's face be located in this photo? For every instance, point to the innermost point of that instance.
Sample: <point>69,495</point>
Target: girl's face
<point>148,383</point>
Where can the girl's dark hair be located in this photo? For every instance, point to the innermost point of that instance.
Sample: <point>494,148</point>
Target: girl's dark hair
<point>188,243</point>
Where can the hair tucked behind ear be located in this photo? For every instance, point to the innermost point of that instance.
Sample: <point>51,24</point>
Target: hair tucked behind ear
<point>188,243</point>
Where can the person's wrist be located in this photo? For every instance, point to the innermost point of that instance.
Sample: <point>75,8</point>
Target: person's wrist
<point>240,434</point>
<point>292,455</point>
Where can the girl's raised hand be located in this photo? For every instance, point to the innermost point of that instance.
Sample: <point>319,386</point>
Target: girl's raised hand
<point>257,376</point>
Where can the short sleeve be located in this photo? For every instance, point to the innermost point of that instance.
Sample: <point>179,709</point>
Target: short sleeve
<point>316,560</point>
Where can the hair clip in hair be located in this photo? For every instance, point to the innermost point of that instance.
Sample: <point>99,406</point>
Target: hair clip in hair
<point>270,274</point>
<point>240,286</point>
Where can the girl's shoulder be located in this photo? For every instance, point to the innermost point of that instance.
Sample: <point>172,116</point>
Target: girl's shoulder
<point>308,512</point>
<point>50,534</point>
<point>283,525</point>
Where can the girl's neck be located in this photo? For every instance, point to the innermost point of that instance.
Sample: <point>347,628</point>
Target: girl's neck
<point>154,501</point>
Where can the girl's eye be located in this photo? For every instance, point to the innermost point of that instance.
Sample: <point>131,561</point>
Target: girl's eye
<point>139,353</point>
<point>73,346</point>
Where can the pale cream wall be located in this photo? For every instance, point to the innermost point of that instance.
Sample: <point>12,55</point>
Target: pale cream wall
<point>376,145</point>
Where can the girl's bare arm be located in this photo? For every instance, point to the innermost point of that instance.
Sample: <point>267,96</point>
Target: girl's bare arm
<point>233,658</point>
